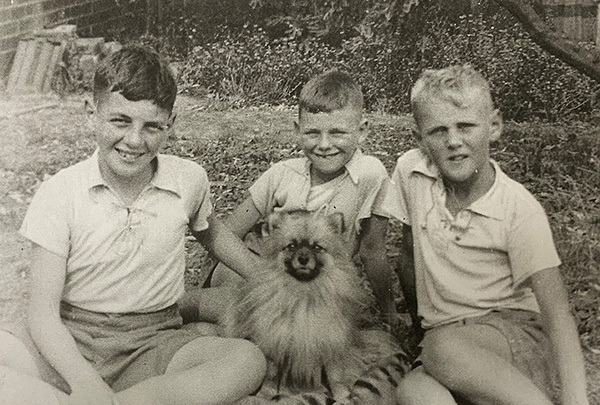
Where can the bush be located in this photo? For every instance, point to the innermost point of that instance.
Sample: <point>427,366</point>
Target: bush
<point>249,68</point>
<point>249,64</point>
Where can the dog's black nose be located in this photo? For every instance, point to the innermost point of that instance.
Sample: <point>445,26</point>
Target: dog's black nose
<point>303,258</point>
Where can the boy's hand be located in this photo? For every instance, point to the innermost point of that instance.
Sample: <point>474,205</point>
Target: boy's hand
<point>91,393</point>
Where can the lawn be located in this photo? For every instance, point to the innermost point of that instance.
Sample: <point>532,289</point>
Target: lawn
<point>559,164</point>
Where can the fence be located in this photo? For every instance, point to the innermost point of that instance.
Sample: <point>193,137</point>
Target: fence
<point>107,18</point>
<point>576,19</point>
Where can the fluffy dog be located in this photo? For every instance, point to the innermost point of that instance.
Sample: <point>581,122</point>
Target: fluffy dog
<point>305,310</point>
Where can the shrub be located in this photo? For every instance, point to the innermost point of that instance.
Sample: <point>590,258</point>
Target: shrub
<point>249,64</point>
<point>250,68</point>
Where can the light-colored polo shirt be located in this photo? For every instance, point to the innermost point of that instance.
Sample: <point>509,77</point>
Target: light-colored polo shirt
<point>120,258</point>
<point>361,191</point>
<point>469,264</point>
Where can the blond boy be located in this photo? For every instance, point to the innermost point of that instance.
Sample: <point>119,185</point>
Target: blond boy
<point>493,305</point>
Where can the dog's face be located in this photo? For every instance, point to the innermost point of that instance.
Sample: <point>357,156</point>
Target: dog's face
<point>303,241</point>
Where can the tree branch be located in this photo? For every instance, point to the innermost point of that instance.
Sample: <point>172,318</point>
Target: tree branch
<point>585,60</point>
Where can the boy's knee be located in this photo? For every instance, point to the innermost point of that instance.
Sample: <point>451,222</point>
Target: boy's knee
<point>249,355</point>
<point>15,355</point>
<point>417,387</point>
<point>445,354</point>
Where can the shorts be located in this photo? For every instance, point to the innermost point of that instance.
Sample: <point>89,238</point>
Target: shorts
<point>127,348</point>
<point>529,344</point>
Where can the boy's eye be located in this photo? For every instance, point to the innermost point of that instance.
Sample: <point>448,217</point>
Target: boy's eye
<point>119,122</point>
<point>465,126</point>
<point>154,128</point>
<point>437,131</point>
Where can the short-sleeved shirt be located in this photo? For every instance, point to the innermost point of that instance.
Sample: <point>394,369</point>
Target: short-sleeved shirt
<point>120,258</point>
<point>363,190</point>
<point>472,263</point>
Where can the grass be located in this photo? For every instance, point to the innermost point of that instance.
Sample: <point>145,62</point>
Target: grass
<point>560,165</point>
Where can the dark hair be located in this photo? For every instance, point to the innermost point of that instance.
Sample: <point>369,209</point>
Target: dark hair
<point>330,91</point>
<point>137,73</point>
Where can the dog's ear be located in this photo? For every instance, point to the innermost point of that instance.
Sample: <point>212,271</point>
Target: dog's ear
<point>271,223</point>
<point>336,222</point>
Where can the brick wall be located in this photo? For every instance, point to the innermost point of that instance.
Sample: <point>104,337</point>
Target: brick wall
<point>107,18</point>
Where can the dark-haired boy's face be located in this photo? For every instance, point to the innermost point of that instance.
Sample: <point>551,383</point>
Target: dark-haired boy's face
<point>329,140</point>
<point>129,135</point>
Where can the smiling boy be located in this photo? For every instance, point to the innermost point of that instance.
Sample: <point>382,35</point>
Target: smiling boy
<point>332,176</point>
<point>489,291</point>
<point>108,262</point>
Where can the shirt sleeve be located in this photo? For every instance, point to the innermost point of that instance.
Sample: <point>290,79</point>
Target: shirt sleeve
<point>398,194</point>
<point>530,246</point>
<point>46,222</point>
<point>262,191</point>
<point>203,203</point>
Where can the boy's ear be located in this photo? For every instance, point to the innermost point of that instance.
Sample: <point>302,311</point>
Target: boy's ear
<point>363,130</point>
<point>90,108</point>
<point>171,123</point>
<point>496,125</point>
<point>90,111</point>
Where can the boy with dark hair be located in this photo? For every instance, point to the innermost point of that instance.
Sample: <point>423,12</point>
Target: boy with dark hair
<point>333,176</point>
<point>489,291</point>
<point>108,261</point>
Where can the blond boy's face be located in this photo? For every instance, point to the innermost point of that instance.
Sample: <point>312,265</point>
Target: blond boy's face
<point>129,135</point>
<point>329,140</point>
<point>457,138</point>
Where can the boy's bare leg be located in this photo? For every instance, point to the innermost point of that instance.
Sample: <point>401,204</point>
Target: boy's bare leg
<point>22,389</point>
<point>208,370</point>
<point>20,380</point>
<point>418,388</point>
<point>14,354</point>
<point>473,361</point>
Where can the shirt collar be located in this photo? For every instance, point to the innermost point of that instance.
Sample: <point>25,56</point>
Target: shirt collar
<point>487,205</point>
<point>164,178</point>
<point>352,167</point>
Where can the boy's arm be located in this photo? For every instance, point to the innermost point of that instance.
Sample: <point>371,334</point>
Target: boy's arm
<point>552,297</point>
<point>406,275</point>
<point>48,273</point>
<point>374,259</point>
<point>243,218</point>
<point>228,248</point>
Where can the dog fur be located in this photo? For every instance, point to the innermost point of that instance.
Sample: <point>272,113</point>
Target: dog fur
<point>305,310</point>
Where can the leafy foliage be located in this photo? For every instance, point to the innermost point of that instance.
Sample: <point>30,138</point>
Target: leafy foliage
<point>268,60</point>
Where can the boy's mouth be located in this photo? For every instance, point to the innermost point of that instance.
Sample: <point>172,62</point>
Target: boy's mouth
<point>457,158</point>
<point>128,156</point>
<point>326,156</point>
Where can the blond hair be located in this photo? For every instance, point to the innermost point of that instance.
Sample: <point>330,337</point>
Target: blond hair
<point>454,84</point>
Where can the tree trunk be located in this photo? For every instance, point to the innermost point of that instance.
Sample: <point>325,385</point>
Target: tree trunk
<point>584,60</point>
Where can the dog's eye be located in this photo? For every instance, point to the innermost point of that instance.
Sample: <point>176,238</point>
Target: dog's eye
<point>291,246</point>
<point>317,247</point>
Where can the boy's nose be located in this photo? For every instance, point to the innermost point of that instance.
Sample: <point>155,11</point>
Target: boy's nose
<point>453,138</point>
<point>324,142</point>
<point>134,136</point>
